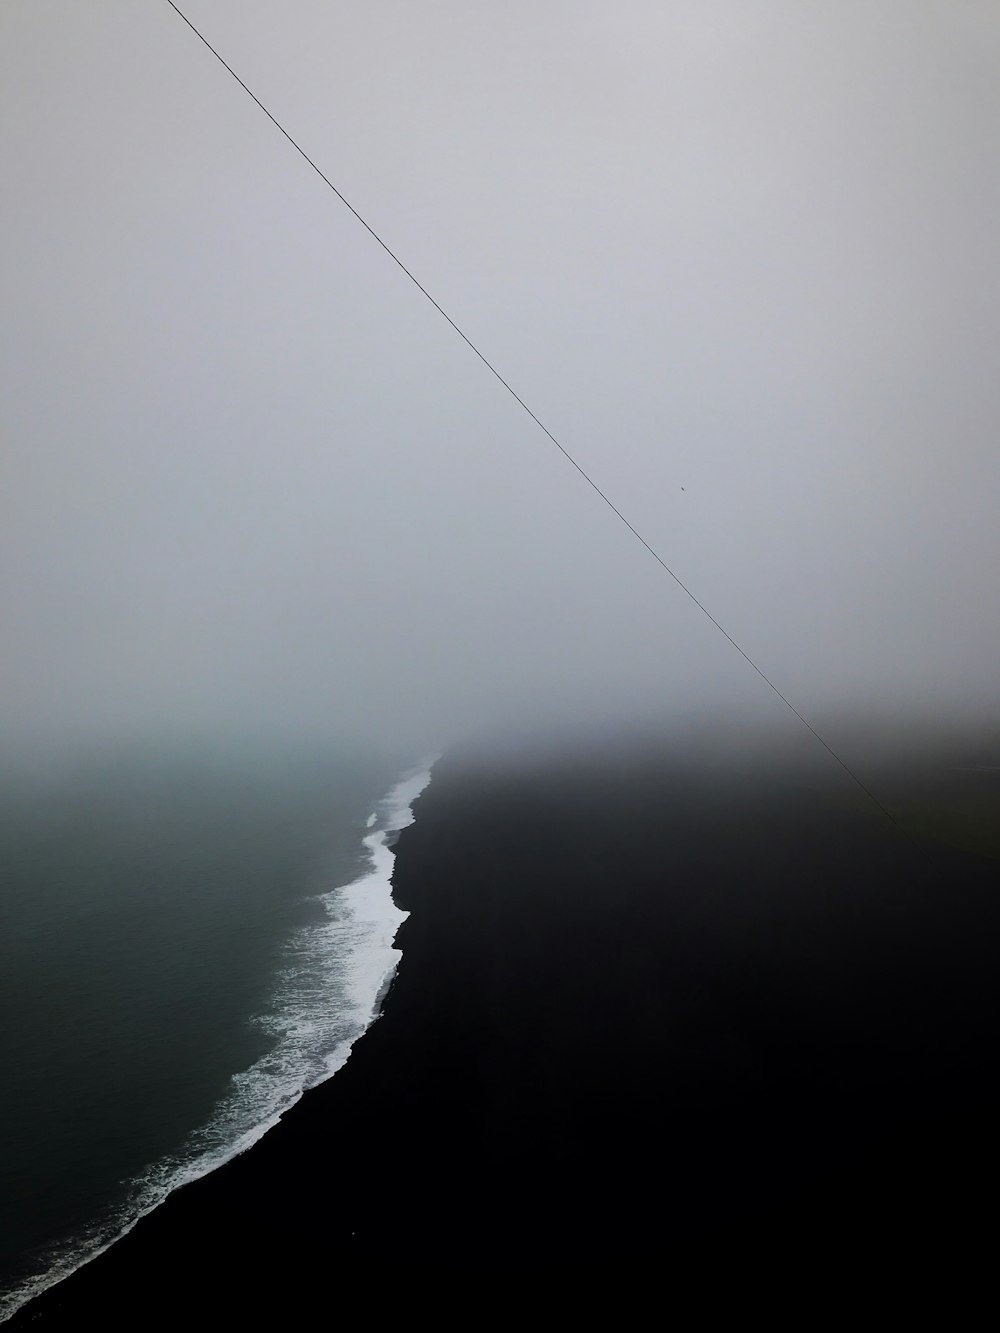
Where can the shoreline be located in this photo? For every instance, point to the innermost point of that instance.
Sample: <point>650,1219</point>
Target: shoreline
<point>767,1030</point>
<point>365,904</point>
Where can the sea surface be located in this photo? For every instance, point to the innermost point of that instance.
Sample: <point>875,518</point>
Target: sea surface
<point>186,945</point>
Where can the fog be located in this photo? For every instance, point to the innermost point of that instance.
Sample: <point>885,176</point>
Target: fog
<point>740,259</point>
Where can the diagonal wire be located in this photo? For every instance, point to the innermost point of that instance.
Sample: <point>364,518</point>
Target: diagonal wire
<point>540,424</point>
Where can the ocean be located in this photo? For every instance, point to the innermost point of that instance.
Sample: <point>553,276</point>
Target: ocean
<point>186,945</point>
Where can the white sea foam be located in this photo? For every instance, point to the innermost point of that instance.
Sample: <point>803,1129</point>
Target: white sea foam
<point>337,972</point>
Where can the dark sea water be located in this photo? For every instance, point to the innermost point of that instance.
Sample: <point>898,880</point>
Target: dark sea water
<point>178,962</point>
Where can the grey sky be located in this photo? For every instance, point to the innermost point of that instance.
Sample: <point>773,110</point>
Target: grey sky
<point>741,258</point>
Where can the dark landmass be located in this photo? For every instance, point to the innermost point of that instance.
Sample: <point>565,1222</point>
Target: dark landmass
<point>657,1027</point>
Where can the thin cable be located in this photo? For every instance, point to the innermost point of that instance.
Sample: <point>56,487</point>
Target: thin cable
<point>540,424</point>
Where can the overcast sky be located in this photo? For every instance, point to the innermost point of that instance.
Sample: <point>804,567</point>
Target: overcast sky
<point>741,258</point>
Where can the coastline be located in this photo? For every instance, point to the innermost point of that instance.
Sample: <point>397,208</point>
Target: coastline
<point>642,1024</point>
<point>315,1022</point>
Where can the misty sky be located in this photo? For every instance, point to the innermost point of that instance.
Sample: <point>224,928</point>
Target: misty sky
<point>741,258</point>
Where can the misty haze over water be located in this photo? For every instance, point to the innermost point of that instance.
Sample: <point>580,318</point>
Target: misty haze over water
<point>739,259</point>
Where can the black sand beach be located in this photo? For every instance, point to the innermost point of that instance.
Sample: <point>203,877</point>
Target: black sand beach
<point>653,1025</point>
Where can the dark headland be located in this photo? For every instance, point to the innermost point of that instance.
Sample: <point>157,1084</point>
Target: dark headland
<point>710,1029</point>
